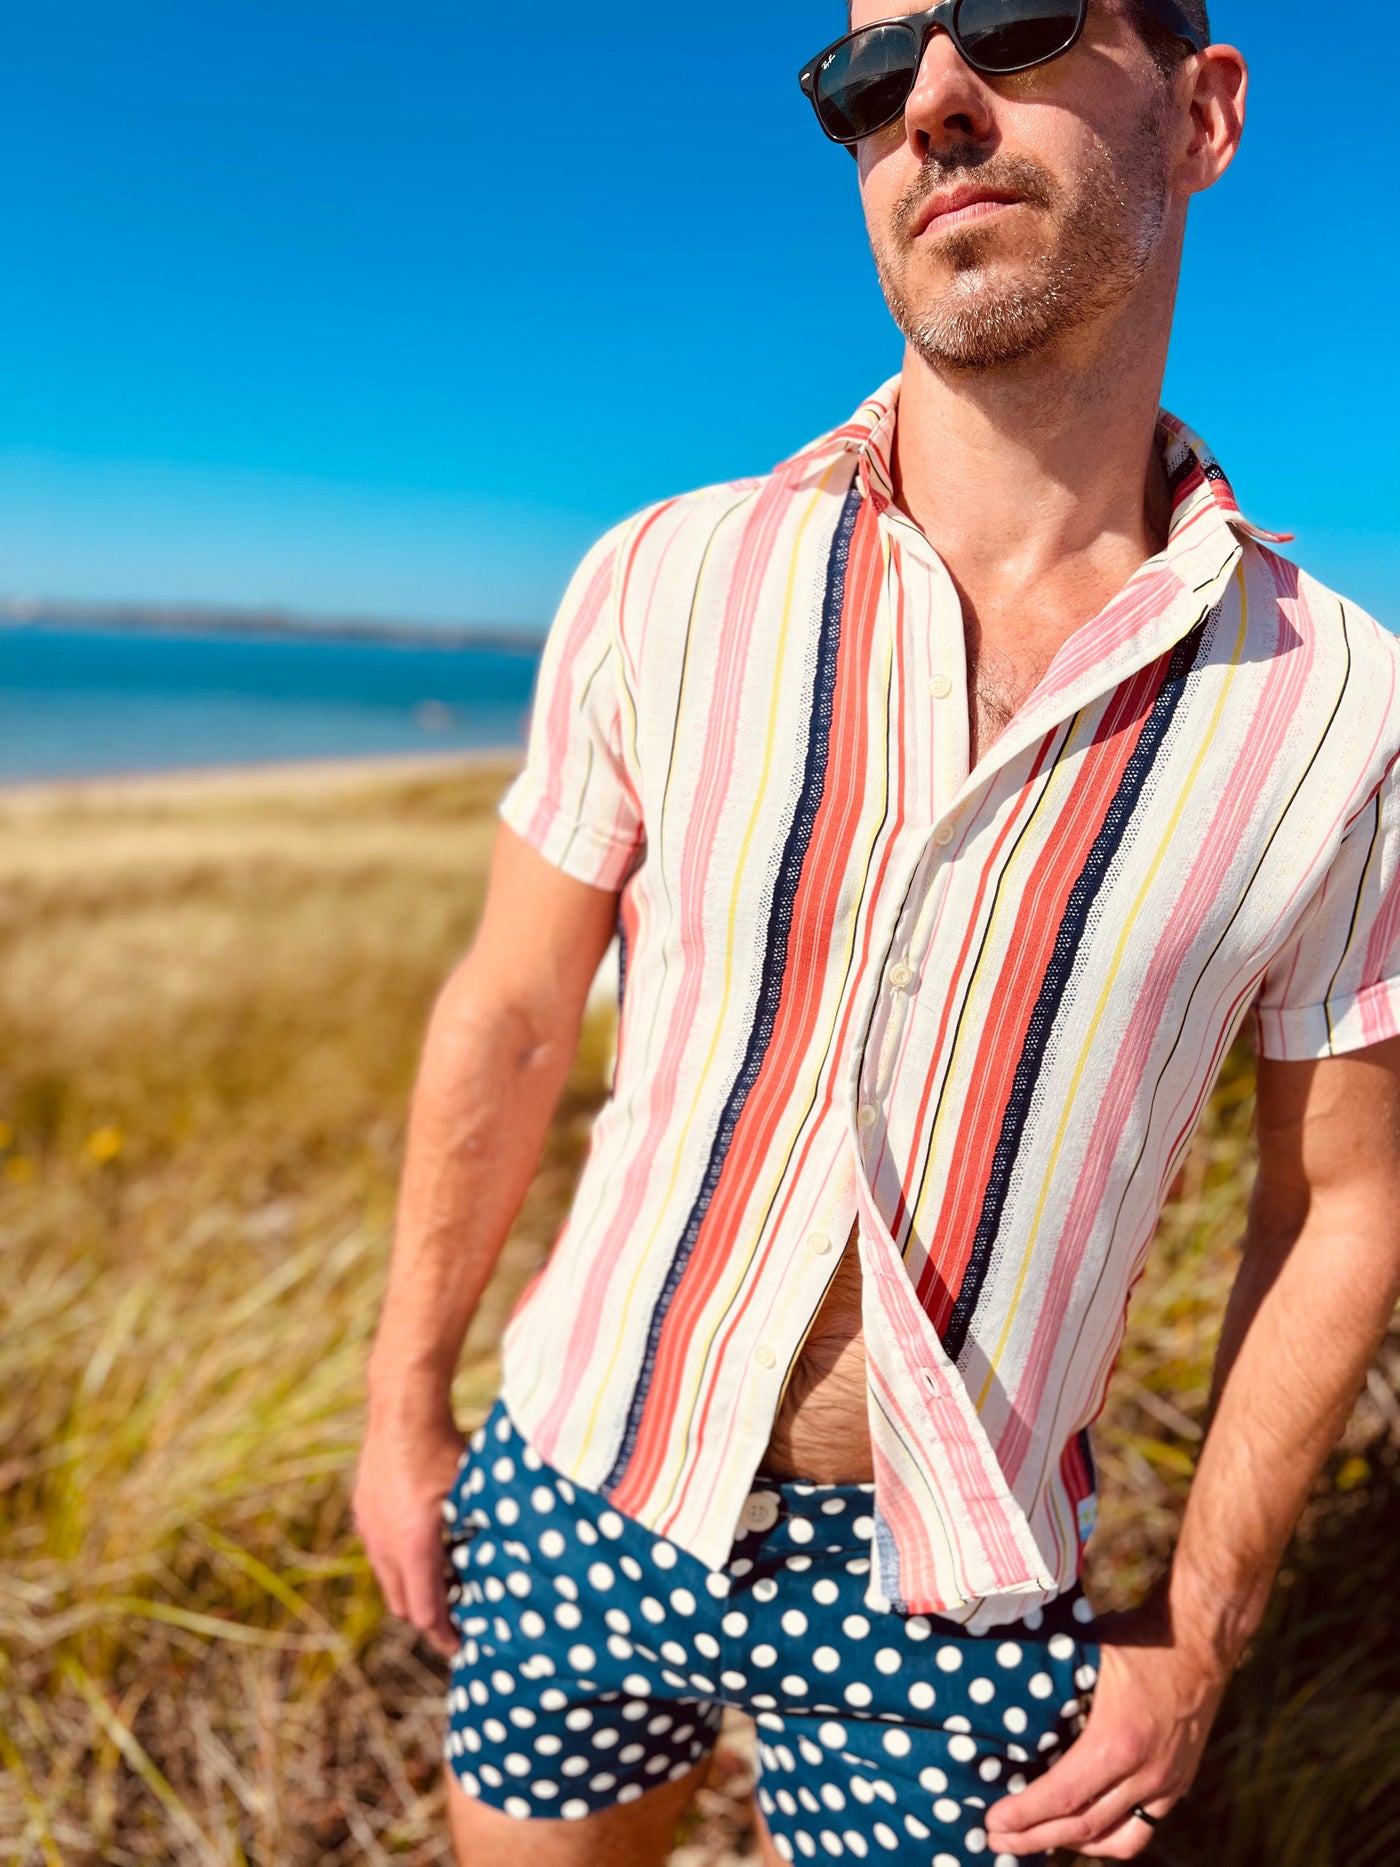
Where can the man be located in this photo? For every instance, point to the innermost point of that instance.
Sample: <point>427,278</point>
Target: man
<point>961,788</point>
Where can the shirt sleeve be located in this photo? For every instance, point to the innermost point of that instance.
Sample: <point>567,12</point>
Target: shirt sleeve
<point>576,801</point>
<point>1335,985</point>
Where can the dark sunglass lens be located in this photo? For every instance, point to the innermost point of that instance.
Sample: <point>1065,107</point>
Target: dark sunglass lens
<point>1003,35</point>
<point>862,83</point>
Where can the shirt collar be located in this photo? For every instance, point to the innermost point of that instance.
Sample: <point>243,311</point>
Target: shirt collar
<point>1199,487</point>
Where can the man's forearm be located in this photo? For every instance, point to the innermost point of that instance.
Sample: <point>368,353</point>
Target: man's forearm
<point>487,1086</point>
<point>1305,1319</point>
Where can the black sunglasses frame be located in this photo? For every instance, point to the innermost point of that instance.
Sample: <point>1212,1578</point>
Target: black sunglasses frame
<point>944,17</point>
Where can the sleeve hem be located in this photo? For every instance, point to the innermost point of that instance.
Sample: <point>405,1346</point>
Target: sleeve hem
<point>1304,1033</point>
<point>580,850</point>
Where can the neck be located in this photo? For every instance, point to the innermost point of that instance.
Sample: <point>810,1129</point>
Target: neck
<point>1042,476</point>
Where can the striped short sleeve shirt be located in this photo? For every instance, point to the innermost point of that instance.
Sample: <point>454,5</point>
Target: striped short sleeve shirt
<point>972,1013</point>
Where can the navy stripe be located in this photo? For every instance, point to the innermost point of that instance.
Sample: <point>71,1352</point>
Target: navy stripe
<point>1068,939</point>
<point>774,962</point>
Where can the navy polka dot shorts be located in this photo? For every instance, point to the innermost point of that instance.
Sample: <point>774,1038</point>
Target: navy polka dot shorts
<point>597,1661</point>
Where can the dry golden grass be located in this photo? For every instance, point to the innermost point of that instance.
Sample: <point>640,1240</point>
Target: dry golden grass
<point>211,999</point>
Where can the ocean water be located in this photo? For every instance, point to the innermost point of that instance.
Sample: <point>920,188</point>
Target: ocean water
<point>86,700</point>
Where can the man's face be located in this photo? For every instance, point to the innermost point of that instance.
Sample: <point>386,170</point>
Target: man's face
<point>1006,213</point>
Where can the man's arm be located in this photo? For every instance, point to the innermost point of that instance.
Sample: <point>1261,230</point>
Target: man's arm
<point>498,1050</point>
<point>1315,1293</point>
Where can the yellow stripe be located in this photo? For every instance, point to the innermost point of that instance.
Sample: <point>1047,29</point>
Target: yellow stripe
<point>1067,1107</point>
<point>678,1154</point>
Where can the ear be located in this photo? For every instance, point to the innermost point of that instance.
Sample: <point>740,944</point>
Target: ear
<point>1218,81</point>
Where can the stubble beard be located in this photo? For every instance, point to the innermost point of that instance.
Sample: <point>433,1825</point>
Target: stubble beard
<point>989,314</point>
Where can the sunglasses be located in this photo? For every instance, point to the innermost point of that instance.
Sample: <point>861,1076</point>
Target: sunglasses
<point>862,82</point>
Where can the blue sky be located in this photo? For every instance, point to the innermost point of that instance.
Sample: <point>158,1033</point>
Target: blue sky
<point>391,309</point>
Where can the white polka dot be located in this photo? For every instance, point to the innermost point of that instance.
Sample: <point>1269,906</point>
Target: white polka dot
<point>585,1532</point>
<point>1084,1677</point>
<point>1060,1647</point>
<point>507,1511</point>
<point>583,1659</point>
<point>708,1645</point>
<point>611,1525</point>
<point>1014,1719</point>
<point>784,1846</point>
<point>600,1576</point>
<point>532,1624</point>
<point>605,1739</point>
<point>573,1811</point>
<point>579,1718</point>
<point>1032,1619</point>
<point>916,1828</point>
<point>567,1615</point>
<point>948,1659</point>
<point>947,1810</point>
<point>956,1724</point>
<point>549,1745</point>
<point>826,1592</point>
<point>503,1471</point>
<point>922,1695</point>
<point>542,1498</point>
<point>717,1584</point>
<point>864,1526</point>
<point>981,1691</point>
<point>855,1627</point>
<point>551,1544</point>
<point>1082,1611</point>
<point>826,1660</point>
<point>1047,1740</point>
<point>764,1655</point>
<point>732,1681</point>
<point>517,1765</point>
<point>518,1807</point>
<point>855,1842</point>
<point>917,1628</point>
<point>735,1624</point>
<point>682,1601</point>
<point>934,1781</point>
<point>794,1622</point>
<point>765,1588</point>
<point>831,1843</point>
<point>833,1735</point>
<point>989,1769</point>
<point>885,1836</point>
<point>887,1660</point>
<point>552,1699</point>
<point>800,1530</point>
<point>857,1694</point>
<point>522,1716</point>
<point>630,1567</point>
<point>1040,1685</point>
<point>975,1840</point>
<point>861,1790</point>
<point>531,1459</point>
<point>673,1650</point>
<point>897,1743</point>
<point>1007,1860</point>
<point>961,1749</point>
<point>798,1564</point>
<point>652,1610</point>
<point>664,1556</point>
<point>794,1685</point>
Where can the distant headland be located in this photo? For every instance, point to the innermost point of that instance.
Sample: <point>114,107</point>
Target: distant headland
<point>211,619</point>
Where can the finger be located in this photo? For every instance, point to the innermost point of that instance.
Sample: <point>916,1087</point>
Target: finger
<point>426,1588</point>
<point>1097,1827</point>
<point>1082,1776</point>
<point>1127,1840</point>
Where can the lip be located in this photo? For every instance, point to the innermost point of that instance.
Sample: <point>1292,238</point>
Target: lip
<point>955,206</point>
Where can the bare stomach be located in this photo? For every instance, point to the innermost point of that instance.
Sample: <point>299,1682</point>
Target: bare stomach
<point>822,1431</point>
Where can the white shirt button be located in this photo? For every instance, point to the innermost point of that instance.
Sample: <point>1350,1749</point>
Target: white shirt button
<point>940,686</point>
<point>760,1510</point>
<point>901,975</point>
<point>820,1243</point>
<point>944,834</point>
<point>764,1356</point>
<point>866,1115</point>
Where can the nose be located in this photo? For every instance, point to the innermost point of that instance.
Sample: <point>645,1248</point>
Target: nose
<point>949,103</point>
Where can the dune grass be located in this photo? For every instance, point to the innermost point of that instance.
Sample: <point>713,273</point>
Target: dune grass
<point>211,1000</point>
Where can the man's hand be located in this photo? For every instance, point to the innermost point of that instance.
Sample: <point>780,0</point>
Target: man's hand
<point>1152,1711</point>
<point>405,1471</point>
